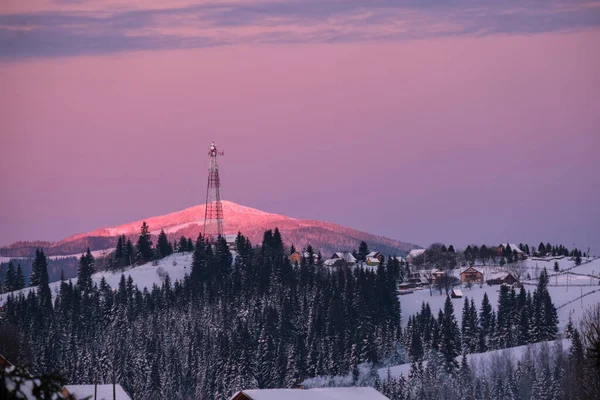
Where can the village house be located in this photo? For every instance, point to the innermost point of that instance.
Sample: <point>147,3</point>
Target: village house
<point>341,259</point>
<point>513,248</point>
<point>410,258</point>
<point>295,257</point>
<point>500,278</point>
<point>374,258</point>
<point>328,393</point>
<point>95,392</point>
<point>471,275</point>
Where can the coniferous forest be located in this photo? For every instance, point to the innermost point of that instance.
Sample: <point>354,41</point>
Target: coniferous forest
<point>257,321</point>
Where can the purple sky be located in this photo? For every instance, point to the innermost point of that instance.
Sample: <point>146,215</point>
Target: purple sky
<point>419,120</point>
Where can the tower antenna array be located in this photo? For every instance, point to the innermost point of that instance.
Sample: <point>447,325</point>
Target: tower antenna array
<point>213,212</point>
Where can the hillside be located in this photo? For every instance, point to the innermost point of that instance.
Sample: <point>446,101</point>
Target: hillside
<point>324,236</point>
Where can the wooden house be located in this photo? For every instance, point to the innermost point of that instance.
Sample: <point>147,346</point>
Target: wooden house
<point>471,275</point>
<point>295,258</point>
<point>500,278</point>
<point>341,259</point>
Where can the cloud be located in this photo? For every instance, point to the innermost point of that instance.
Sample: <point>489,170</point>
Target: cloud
<point>77,27</point>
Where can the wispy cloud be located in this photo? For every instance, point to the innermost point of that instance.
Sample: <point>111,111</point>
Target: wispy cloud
<point>58,28</point>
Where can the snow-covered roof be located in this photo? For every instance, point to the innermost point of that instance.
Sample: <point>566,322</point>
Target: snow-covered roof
<point>372,260</point>
<point>497,275</point>
<point>373,254</point>
<point>513,247</point>
<point>473,268</point>
<point>457,292</point>
<point>346,256</point>
<point>329,393</point>
<point>398,258</point>
<point>416,252</point>
<point>105,392</point>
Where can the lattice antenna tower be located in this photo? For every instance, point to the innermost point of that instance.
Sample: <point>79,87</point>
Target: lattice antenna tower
<point>213,213</point>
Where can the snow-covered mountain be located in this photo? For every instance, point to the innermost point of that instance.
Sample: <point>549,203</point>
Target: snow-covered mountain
<point>324,236</point>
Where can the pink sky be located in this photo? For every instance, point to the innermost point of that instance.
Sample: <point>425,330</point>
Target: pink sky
<point>447,138</point>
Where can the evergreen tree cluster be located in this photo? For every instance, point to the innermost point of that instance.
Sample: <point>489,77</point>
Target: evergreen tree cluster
<point>544,373</point>
<point>253,322</point>
<point>521,319</point>
<point>14,279</point>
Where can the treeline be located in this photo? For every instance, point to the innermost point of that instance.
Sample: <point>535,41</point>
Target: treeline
<point>521,319</point>
<point>253,322</point>
<point>541,373</point>
<point>126,254</point>
<point>443,257</point>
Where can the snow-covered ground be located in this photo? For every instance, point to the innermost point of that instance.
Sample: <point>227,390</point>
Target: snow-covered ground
<point>95,253</point>
<point>480,361</point>
<point>143,276</point>
<point>563,296</point>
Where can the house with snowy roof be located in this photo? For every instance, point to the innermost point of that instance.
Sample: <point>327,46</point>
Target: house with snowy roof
<point>500,278</point>
<point>341,259</point>
<point>96,392</point>
<point>513,248</point>
<point>414,253</point>
<point>374,258</point>
<point>471,275</point>
<point>328,393</point>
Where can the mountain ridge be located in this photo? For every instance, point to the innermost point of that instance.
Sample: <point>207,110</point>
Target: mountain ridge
<point>324,236</point>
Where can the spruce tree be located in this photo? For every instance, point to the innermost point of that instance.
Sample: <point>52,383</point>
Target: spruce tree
<point>85,270</point>
<point>20,278</point>
<point>485,319</point>
<point>45,295</point>
<point>163,246</point>
<point>36,267</point>
<point>144,245</point>
<point>182,245</point>
<point>129,253</point>
<point>450,337</point>
<point>363,250</point>
<point>10,279</point>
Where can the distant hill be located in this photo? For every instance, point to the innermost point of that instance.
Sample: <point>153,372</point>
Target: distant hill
<point>323,236</point>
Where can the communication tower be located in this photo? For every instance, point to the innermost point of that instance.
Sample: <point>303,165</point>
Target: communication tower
<point>213,213</point>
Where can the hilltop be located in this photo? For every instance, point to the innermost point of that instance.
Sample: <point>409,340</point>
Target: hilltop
<point>324,236</point>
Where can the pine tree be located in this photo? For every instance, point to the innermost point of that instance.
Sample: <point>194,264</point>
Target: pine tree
<point>450,337</point>
<point>36,267</point>
<point>182,247</point>
<point>485,319</point>
<point>363,250</point>
<point>129,253</point>
<point>10,280</point>
<point>144,245</point>
<point>163,247</point>
<point>45,295</point>
<point>542,249</point>
<point>20,278</point>
<point>85,270</point>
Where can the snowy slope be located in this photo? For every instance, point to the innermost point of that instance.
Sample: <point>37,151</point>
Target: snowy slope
<point>143,276</point>
<point>479,361</point>
<point>346,393</point>
<point>566,299</point>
